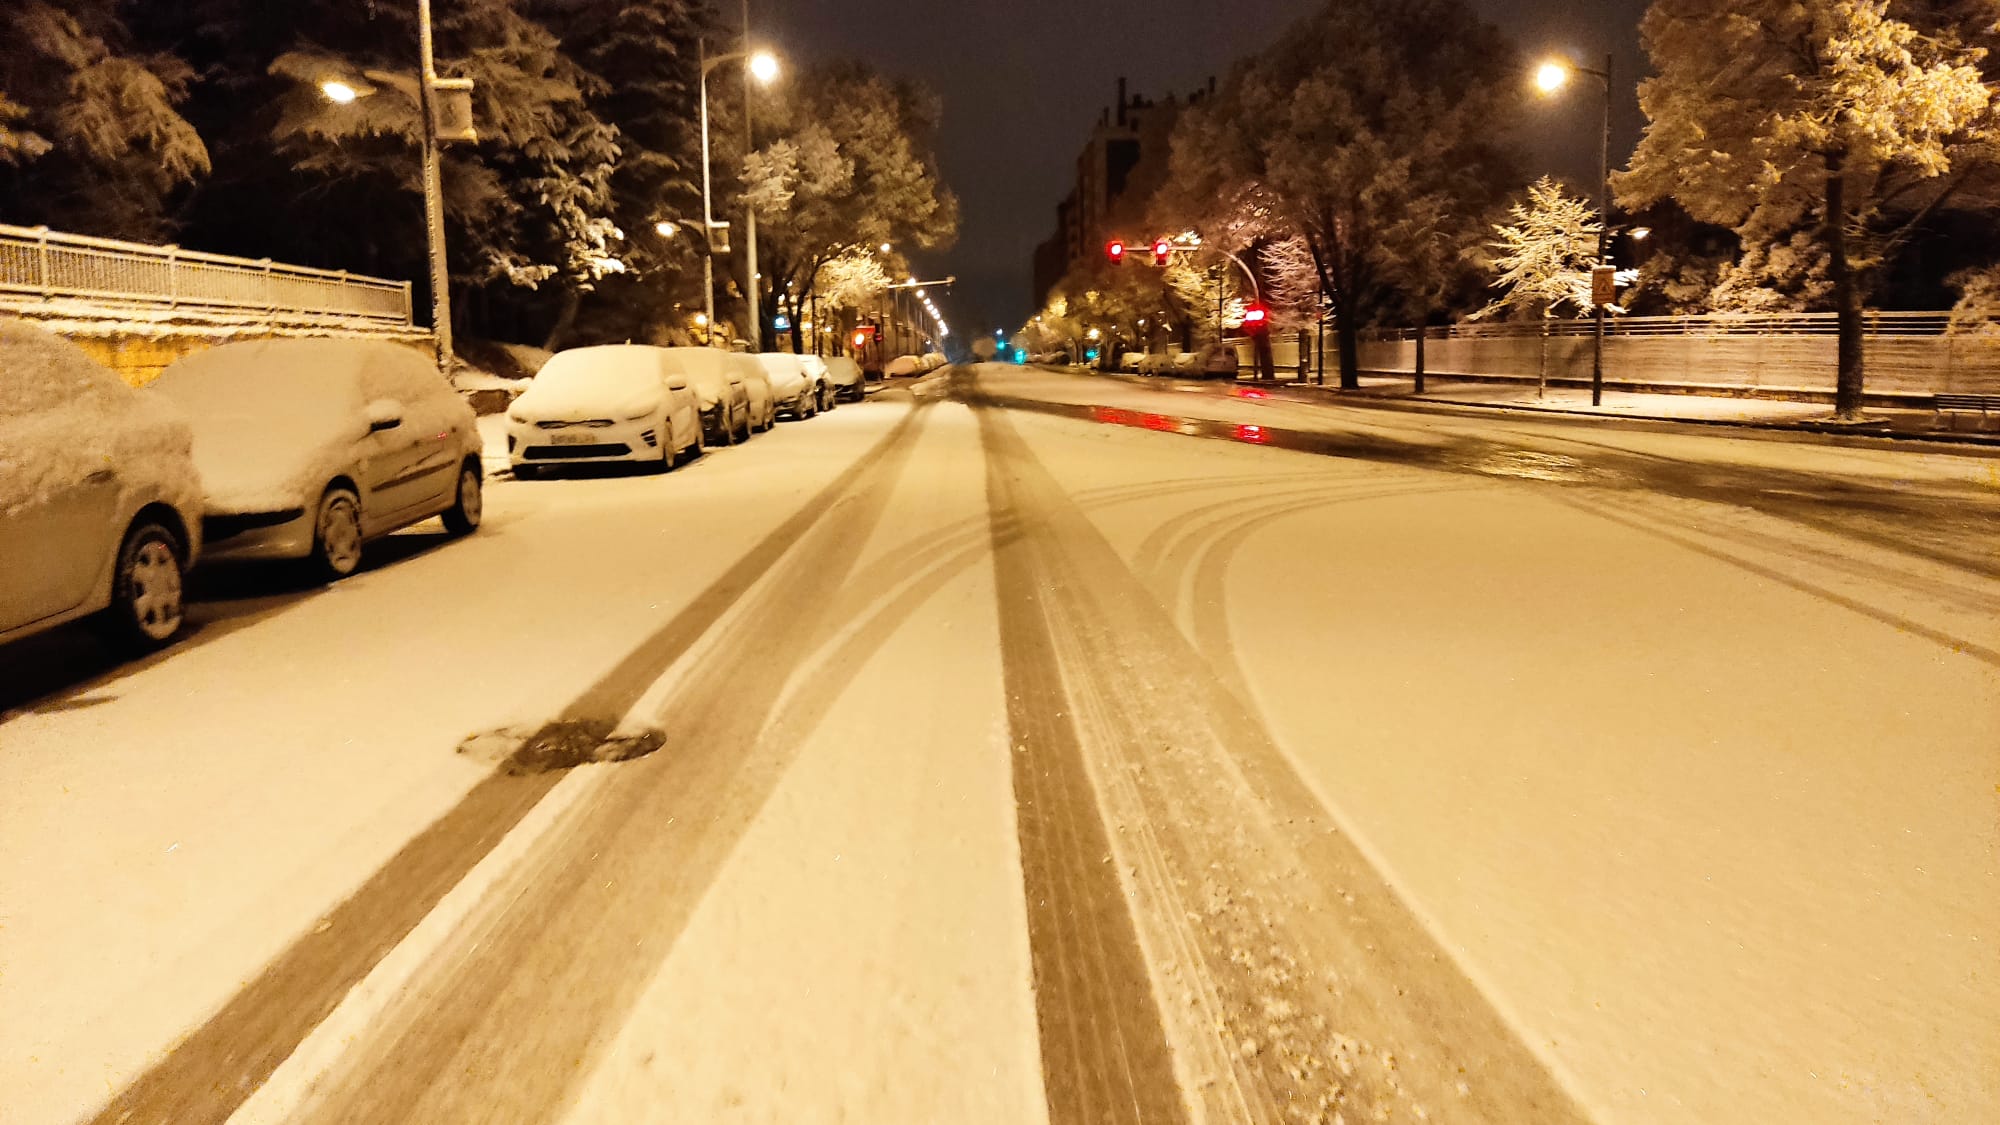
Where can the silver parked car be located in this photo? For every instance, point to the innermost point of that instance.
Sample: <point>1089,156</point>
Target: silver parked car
<point>308,449</point>
<point>844,379</point>
<point>100,506</point>
<point>722,390</point>
<point>622,403</point>
<point>796,390</point>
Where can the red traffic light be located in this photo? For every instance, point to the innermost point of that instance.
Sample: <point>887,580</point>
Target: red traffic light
<point>861,338</point>
<point>1256,318</point>
<point>1115,250</point>
<point>1163,252</point>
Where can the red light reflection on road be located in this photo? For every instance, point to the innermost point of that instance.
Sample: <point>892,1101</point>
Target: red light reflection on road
<point>1250,392</point>
<point>1159,422</point>
<point>1255,435</point>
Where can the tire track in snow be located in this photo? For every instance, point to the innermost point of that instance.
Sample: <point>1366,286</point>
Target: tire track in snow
<point>1294,983</point>
<point>1105,1059</point>
<point>507,1021</point>
<point>209,1073</point>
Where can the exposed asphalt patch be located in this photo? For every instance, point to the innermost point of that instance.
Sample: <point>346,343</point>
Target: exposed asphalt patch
<point>560,745</point>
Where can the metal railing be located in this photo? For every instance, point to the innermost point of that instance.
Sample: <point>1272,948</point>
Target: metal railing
<point>1711,324</point>
<point>41,269</point>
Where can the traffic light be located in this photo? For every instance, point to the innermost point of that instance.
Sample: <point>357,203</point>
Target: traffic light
<point>1163,252</point>
<point>861,339</point>
<point>1115,250</point>
<point>1256,318</point>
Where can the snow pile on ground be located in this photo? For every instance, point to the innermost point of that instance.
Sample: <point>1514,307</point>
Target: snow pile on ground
<point>616,382</point>
<point>64,416</point>
<point>903,366</point>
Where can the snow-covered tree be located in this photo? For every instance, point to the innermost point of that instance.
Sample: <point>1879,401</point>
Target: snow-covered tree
<point>1847,117</point>
<point>1544,257</point>
<point>845,161</point>
<point>1358,108</point>
<point>97,115</point>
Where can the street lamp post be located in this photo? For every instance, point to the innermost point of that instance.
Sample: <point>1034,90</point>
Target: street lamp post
<point>1552,76</point>
<point>762,68</point>
<point>750,212</point>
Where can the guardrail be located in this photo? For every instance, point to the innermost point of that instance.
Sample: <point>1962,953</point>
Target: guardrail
<point>1712,324</point>
<point>1908,354</point>
<point>43,271</point>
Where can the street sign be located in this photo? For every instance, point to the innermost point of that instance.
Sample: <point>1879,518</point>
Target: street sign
<point>1604,285</point>
<point>451,108</point>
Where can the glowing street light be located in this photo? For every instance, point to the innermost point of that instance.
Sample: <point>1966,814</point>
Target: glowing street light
<point>1552,76</point>
<point>764,67</point>
<point>339,93</point>
<point>667,229</point>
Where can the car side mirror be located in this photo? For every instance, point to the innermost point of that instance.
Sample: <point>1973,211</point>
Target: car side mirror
<point>384,414</point>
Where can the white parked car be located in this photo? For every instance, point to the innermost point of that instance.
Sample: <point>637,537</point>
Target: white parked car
<point>934,360</point>
<point>617,403</point>
<point>309,448</point>
<point>1218,360</point>
<point>796,391</point>
<point>100,505</point>
<point>822,388</point>
<point>1129,362</point>
<point>904,366</point>
<point>733,395</point>
<point>845,379</point>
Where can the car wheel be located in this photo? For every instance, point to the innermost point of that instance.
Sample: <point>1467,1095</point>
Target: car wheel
<point>337,534</point>
<point>148,589</point>
<point>463,517</point>
<point>747,430</point>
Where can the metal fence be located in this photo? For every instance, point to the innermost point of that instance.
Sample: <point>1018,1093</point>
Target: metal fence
<point>1907,354</point>
<point>48,272</point>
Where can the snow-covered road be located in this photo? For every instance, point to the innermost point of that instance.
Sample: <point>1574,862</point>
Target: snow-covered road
<point>1029,757</point>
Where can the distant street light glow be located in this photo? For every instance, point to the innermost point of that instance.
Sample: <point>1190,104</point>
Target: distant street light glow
<point>764,67</point>
<point>339,93</point>
<point>1641,234</point>
<point>667,230</point>
<point>1551,76</point>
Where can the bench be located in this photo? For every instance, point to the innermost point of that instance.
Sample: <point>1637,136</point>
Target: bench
<point>1986,406</point>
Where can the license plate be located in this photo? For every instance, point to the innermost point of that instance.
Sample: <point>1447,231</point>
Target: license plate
<point>572,439</point>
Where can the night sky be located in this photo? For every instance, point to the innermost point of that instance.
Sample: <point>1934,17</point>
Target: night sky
<point>1024,80</point>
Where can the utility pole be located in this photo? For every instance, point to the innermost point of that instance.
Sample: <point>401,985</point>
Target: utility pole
<point>1603,236</point>
<point>433,191</point>
<point>707,198</point>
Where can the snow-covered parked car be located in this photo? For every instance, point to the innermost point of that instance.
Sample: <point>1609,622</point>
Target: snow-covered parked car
<point>904,366</point>
<point>796,390</point>
<point>757,385</point>
<point>822,389</point>
<point>100,505</point>
<point>307,449</point>
<point>934,360</point>
<point>618,403</point>
<point>721,394</point>
<point>1217,361</point>
<point>1129,362</point>
<point>844,378</point>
